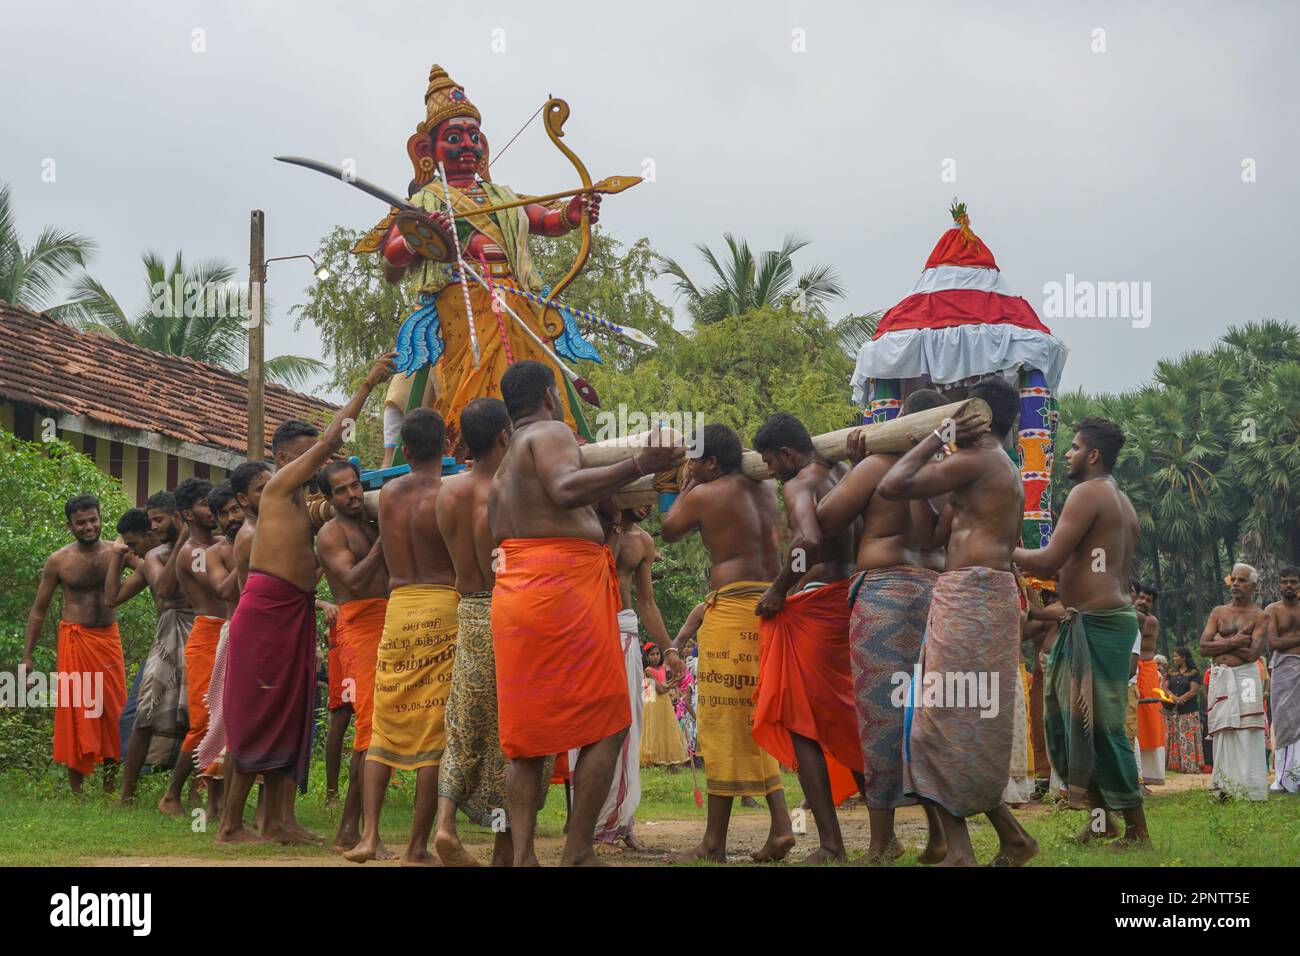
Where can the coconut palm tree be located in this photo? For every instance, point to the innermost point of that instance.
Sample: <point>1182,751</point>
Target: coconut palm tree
<point>194,311</point>
<point>34,276</point>
<point>745,281</point>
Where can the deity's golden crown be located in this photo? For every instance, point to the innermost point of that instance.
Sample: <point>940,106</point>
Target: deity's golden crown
<point>444,99</point>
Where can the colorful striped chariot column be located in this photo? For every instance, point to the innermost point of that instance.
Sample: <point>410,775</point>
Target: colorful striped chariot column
<point>961,323</point>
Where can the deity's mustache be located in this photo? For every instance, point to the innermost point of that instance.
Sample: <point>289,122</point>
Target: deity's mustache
<point>454,154</point>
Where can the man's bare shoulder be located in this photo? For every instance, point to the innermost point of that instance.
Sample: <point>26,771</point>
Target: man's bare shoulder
<point>456,488</point>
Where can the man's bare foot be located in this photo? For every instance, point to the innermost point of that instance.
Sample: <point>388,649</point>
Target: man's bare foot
<point>421,858</point>
<point>700,852</point>
<point>169,806</point>
<point>1016,854</point>
<point>364,852</point>
<point>300,831</point>
<point>1128,842</point>
<point>1088,834</point>
<point>934,852</point>
<point>775,849</point>
<point>877,856</point>
<point>750,803</point>
<point>951,860</point>
<point>586,857</point>
<point>608,849</point>
<point>237,835</point>
<point>346,840</point>
<point>451,851</point>
<point>635,844</point>
<point>822,855</point>
<point>279,833</point>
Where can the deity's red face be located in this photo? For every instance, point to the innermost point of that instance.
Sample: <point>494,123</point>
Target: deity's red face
<point>458,144</point>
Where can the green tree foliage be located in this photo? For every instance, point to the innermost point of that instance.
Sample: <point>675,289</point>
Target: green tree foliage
<point>36,478</point>
<point>1211,462</point>
<point>34,276</point>
<point>356,311</point>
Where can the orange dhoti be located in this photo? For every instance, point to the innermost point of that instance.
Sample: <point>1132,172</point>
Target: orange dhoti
<point>805,682</point>
<point>561,682</point>
<point>86,717</point>
<point>358,633</point>
<point>200,654</point>
<point>1152,733</point>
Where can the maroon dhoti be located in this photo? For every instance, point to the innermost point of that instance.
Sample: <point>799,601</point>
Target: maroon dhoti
<point>270,676</point>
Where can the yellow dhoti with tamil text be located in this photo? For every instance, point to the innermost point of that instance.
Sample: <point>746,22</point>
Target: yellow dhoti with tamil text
<point>413,676</point>
<point>734,765</point>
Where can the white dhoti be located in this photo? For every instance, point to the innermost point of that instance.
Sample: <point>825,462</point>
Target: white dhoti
<point>614,822</point>
<point>1235,714</point>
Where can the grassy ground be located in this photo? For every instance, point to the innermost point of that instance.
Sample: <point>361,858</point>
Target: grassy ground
<point>42,825</point>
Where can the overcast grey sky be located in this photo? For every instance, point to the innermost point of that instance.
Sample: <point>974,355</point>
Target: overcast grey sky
<point>1122,165</point>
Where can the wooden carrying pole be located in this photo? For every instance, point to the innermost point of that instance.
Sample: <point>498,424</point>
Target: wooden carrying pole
<point>882,438</point>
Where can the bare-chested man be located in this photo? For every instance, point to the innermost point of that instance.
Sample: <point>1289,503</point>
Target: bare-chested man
<point>201,644</point>
<point>90,667</point>
<point>891,600</point>
<point>739,524</point>
<point>417,653</point>
<point>1146,727</point>
<point>1284,641</point>
<point>804,708</point>
<point>271,671</point>
<point>973,628</point>
<point>162,704</point>
<point>1092,548</point>
<point>1235,638</point>
<point>561,682</point>
<point>350,552</point>
<point>634,556</point>
<point>472,777</point>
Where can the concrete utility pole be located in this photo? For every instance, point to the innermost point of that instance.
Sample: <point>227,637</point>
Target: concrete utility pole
<point>257,336</point>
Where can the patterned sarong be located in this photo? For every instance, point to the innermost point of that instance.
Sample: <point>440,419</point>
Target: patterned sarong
<point>163,705</point>
<point>200,652</point>
<point>1084,704</point>
<point>734,765</point>
<point>271,677</point>
<point>963,710</point>
<point>413,674</point>
<point>83,737</point>
<point>1020,785</point>
<point>889,610</point>
<point>473,770</point>
<point>804,683</point>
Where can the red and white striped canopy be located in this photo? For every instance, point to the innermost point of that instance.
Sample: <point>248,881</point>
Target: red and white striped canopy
<point>960,320</point>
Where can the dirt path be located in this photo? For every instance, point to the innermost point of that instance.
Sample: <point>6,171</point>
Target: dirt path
<point>748,832</point>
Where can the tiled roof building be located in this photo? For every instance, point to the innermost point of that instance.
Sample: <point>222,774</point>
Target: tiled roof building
<point>149,419</point>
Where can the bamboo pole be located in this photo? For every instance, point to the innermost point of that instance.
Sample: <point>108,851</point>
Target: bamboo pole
<point>892,437</point>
